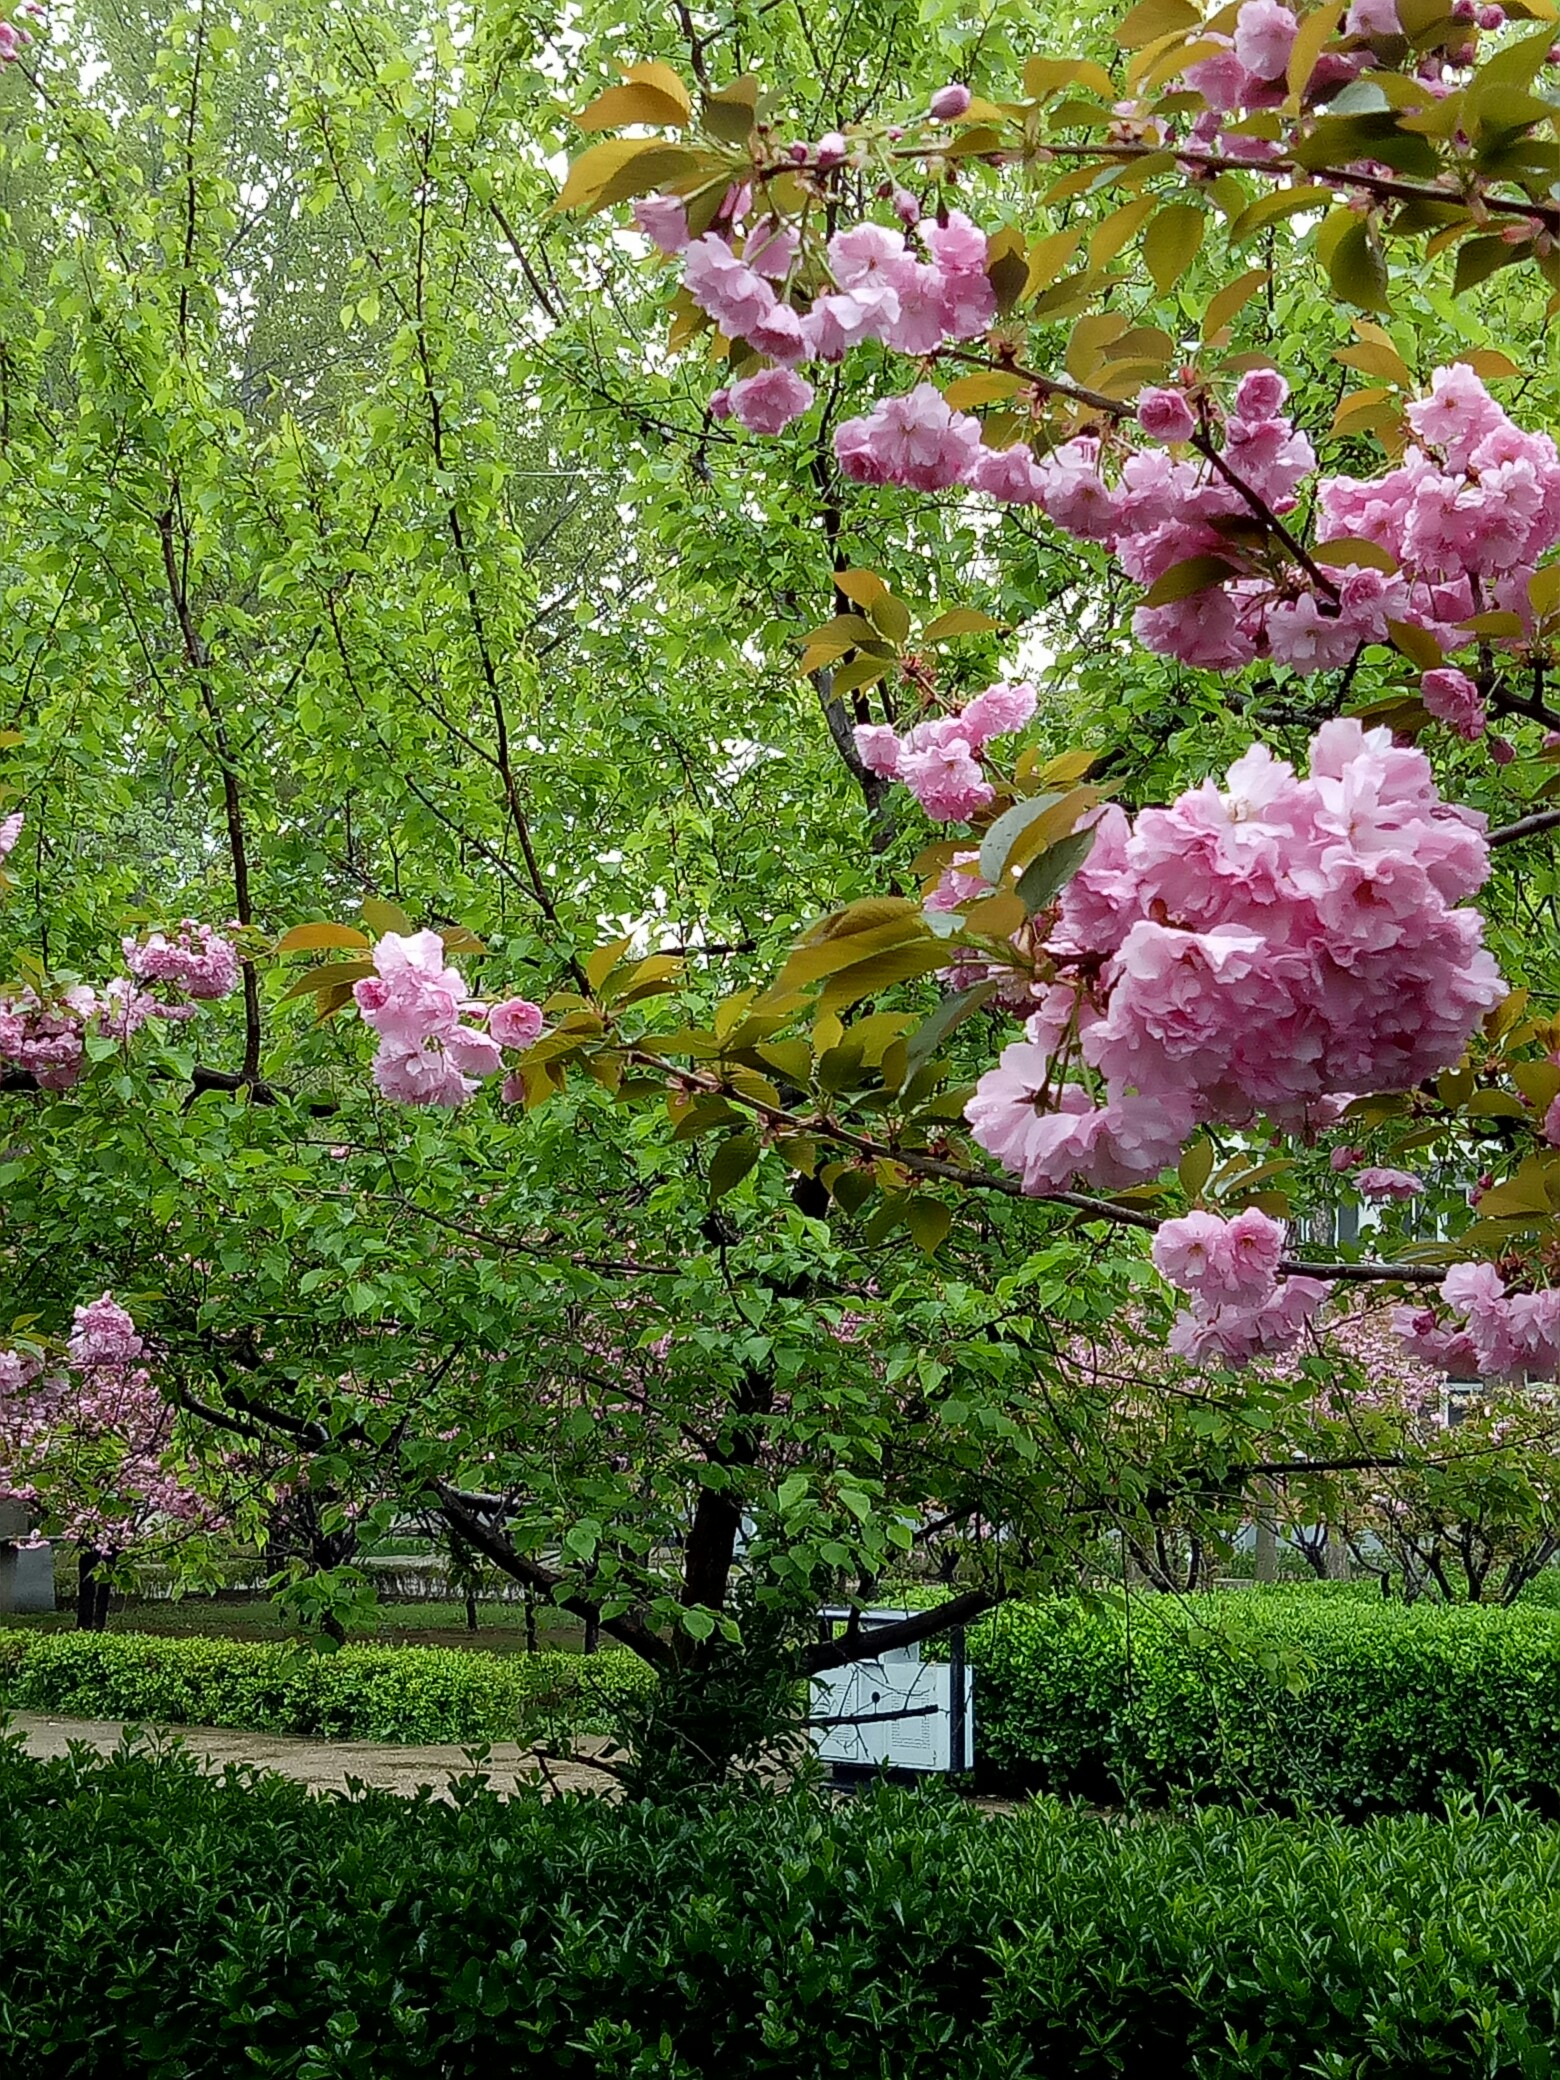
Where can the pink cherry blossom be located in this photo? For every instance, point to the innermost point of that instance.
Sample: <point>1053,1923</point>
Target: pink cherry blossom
<point>877,746</point>
<point>1453,698</point>
<point>725,288</point>
<point>663,220</point>
<point>516,1022</point>
<point>949,102</point>
<point>916,440</point>
<point>1264,37</point>
<point>195,959</point>
<point>997,712</point>
<point>769,401</point>
<point>942,773</point>
<point>1165,415</point>
<point>1380,1183</point>
<point>103,1334</point>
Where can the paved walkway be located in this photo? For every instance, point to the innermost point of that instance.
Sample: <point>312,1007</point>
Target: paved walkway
<point>322,1765</point>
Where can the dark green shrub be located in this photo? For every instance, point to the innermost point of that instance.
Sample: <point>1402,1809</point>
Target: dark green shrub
<point>156,1925</point>
<point>1349,1706</point>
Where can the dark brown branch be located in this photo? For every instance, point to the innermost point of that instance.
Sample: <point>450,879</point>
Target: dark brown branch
<point>493,1545</point>
<point>199,662</point>
<point>904,1632</point>
<point>1526,827</point>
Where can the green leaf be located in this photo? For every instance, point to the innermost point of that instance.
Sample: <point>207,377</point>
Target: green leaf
<point>1045,877</point>
<point>732,1161</point>
<point>1357,267</point>
<point>932,1032</point>
<point>1005,832</point>
<point>1183,580</point>
<point>928,1221</point>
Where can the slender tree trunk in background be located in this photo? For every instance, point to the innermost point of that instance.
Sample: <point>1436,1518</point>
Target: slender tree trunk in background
<point>1267,1551</point>
<point>1338,1569</point>
<point>530,1622</point>
<point>471,1611</point>
<point>592,1634</point>
<point>91,1594</point>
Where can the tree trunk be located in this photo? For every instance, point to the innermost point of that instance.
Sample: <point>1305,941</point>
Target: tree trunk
<point>471,1612</point>
<point>1266,1568</point>
<point>91,1593</point>
<point>530,1622</point>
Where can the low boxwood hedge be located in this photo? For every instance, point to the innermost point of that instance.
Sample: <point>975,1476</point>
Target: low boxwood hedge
<point>1353,1707</point>
<point>359,1693</point>
<point>1337,1704</point>
<point>161,1926</point>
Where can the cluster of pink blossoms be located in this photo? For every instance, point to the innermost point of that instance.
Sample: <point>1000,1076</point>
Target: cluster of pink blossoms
<point>86,1437</point>
<point>1249,70</point>
<point>1241,1309</point>
<point>1269,948</point>
<point>1466,514</point>
<point>1507,1337</point>
<point>915,289</point>
<point>46,1034</point>
<point>196,960</point>
<point>939,760</point>
<point>428,1052</point>
<point>14,37</point>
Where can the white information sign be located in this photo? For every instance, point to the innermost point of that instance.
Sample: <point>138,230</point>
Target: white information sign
<point>895,1712</point>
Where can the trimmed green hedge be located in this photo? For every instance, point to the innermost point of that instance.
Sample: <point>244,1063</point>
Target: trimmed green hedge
<point>360,1693</point>
<point>1350,1707</point>
<point>1334,1703</point>
<point>159,1926</point>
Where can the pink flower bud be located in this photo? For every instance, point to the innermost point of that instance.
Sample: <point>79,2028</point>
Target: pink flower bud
<point>799,153</point>
<point>830,152</point>
<point>1502,751</point>
<point>720,404</point>
<point>906,206</point>
<point>950,102</point>
<point>1492,17</point>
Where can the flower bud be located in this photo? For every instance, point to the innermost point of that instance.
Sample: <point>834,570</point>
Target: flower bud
<point>950,102</point>
<point>830,151</point>
<point>720,405</point>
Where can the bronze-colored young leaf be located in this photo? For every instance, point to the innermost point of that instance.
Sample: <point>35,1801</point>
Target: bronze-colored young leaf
<point>382,917</point>
<point>1195,574</point>
<point>315,938</point>
<point>1171,243</point>
<point>958,621</point>
<point>637,102</point>
<point>333,975</point>
<point>1151,19</point>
